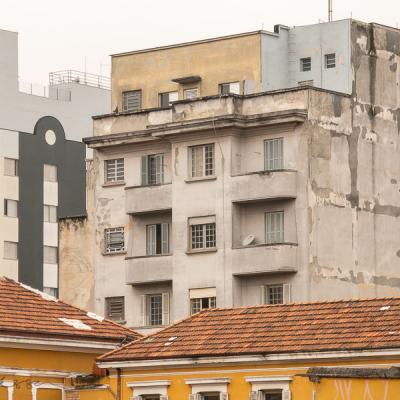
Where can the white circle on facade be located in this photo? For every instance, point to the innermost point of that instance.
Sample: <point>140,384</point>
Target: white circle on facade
<point>50,137</point>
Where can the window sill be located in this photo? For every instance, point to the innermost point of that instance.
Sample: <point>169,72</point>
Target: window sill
<point>149,256</point>
<point>202,251</point>
<point>112,184</point>
<point>265,245</point>
<point>265,172</point>
<point>115,253</point>
<point>201,179</point>
<point>145,186</point>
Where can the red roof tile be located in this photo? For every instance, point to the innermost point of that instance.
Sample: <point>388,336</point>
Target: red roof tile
<point>27,312</point>
<point>269,329</point>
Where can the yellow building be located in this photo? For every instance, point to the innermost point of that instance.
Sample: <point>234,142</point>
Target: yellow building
<point>48,348</point>
<point>343,350</point>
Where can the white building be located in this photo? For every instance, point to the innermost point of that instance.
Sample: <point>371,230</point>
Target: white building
<point>42,162</point>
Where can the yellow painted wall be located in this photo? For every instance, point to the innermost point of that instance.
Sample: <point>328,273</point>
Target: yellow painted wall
<point>220,61</point>
<point>239,389</point>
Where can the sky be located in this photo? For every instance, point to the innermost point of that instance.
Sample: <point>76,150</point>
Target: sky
<point>56,34</point>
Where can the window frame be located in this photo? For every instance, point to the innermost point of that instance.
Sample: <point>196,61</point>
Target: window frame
<point>146,309</point>
<point>146,169</point>
<point>330,60</point>
<point>118,176</point>
<point>7,207</point>
<point>46,259</point>
<point>306,64</point>
<point>125,100</point>
<point>162,236</point>
<point>207,168</point>
<point>204,227</point>
<point>50,214</point>
<point>189,90</point>
<point>160,98</point>
<point>108,306</point>
<point>224,84</point>
<point>212,299</point>
<point>267,294</point>
<point>108,242</point>
<point>276,162</point>
<point>15,162</point>
<point>281,232</point>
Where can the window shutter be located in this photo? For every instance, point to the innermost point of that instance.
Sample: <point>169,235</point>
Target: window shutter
<point>262,294</point>
<point>151,239</point>
<point>145,170</point>
<point>164,239</point>
<point>286,293</point>
<point>286,395</point>
<point>165,306</point>
<point>160,168</point>
<point>143,311</point>
<point>223,396</point>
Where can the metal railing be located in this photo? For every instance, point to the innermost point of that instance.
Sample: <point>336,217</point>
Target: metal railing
<point>83,78</point>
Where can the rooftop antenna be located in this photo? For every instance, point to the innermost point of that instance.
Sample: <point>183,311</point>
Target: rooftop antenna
<point>330,10</point>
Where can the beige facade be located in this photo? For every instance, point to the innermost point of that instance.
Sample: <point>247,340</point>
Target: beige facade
<point>314,219</point>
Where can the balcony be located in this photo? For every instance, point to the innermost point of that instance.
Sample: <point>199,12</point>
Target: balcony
<point>148,269</point>
<point>264,259</point>
<point>262,185</point>
<point>148,199</point>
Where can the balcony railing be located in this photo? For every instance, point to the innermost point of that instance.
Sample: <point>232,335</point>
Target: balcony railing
<point>82,78</point>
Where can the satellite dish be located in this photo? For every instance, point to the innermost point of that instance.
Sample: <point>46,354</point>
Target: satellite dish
<point>248,240</point>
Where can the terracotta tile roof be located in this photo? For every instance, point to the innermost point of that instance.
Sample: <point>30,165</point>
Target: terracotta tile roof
<point>290,328</point>
<point>27,312</point>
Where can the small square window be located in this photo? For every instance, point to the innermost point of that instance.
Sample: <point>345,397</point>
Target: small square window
<point>131,100</point>
<point>49,213</point>
<point>114,170</point>
<point>10,250</point>
<point>115,308</point>
<point>330,60</point>
<point>274,294</point>
<point>10,167</point>
<point>167,98</point>
<point>114,240</point>
<point>49,173</point>
<point>190,93</point>
<point>202,303</point>
<point>203,236</point>
<point>49,255</point>
<point>305,64</point>
<point>11,208</point>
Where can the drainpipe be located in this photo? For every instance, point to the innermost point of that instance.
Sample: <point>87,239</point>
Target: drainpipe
<point>118,383</point>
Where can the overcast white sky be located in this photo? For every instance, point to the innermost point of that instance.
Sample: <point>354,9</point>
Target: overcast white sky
<point>57,34</point>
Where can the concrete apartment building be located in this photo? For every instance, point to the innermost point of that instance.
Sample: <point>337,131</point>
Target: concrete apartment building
<point>42,163</point>
<point>254,168</point>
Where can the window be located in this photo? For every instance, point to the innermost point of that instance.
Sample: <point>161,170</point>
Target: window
<point>114,170</point>
<point>155,309</point>
<point>226,88</point>
<point>49,255</point>
<point>201,160</point>
<point>200,304</point>
<point>49,213</point>
<point>11,208</point>
<point>274,294</point>
<point>115,308</point>
<point>203,236</point>
<point>167,98</point>
<point>273,154</point>
<point>274,232</point>
<point>49,173</point>
<point>10,167</point>
<point>157,239</point>
<point>51,291</point>
<point>132,100</point>
<point>10,250</point>
<point>190,93</point>
<point>305,64</point>
<point>330,60</point>
<point>306,83</point>
<point>114,240</point>
<point>153,169</point>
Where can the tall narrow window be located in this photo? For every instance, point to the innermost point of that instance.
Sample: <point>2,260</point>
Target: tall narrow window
<point>201,160</point>
<point>273,154</point>
<point>226,88</point>
<point>11,208</point>
<point>155,309</point>
<point>330,60</point>
<point>203,236</point>
<point>10,167</point>
<point>49,173</point>
<point>132,100</point>
<point>167,98</point>
<point>274,232</point>
<point>49,255</point>
<point>114,239</point>
<point>157,239</point>
<point>115,308</point>
<point>114,170</point>
<point>49,213</point>
<point>10,250</point>
<point>153,169</point>
<point>190,93</point>
<point>305,64</point>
